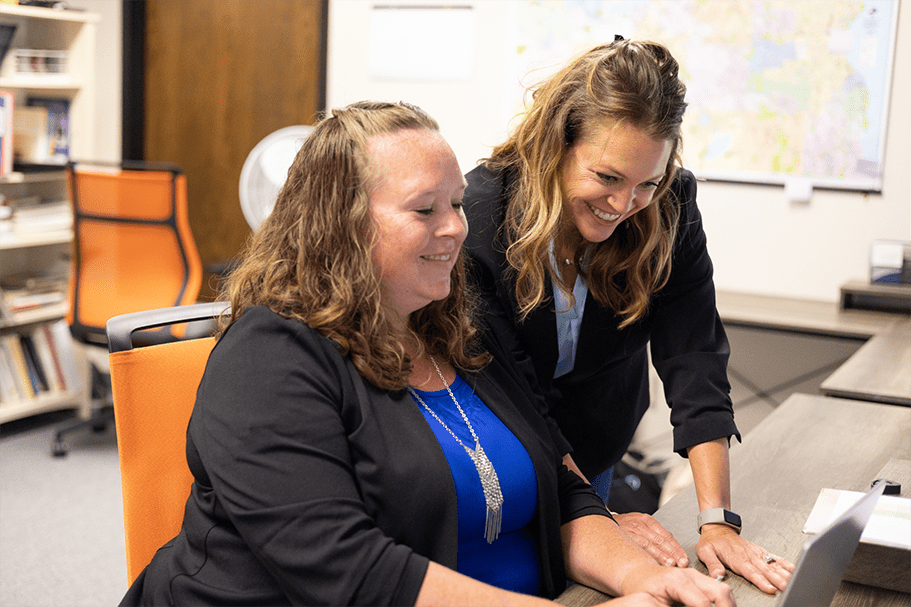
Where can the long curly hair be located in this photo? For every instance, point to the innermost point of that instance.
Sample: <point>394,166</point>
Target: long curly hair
<point>311,259</point>
<point>622,82</point>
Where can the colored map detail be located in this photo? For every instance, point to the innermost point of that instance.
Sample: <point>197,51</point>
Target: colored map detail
<point>776,89</point>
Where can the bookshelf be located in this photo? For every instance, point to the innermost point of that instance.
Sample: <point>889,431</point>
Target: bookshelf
<point>34,263</point>
<point>35,236</point>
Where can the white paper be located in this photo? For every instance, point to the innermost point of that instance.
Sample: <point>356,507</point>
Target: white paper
<point>424,43</point>
<point>890,524</point>
<point>887,254</point>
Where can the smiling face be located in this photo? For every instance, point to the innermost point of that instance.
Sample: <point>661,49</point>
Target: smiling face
<point>416,207</point>
<point>609,176</point>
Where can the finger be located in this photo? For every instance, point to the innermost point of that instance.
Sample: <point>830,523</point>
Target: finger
<point>773,571</point>
<point>701,590</point>
<point>671,548</point>
<point>784,564</point>
<point>778,574</point>
<point>661,544</point>
<point>646,545</point>
<point>657,547</point>
<point>760,574</point>
<point>713,564</point>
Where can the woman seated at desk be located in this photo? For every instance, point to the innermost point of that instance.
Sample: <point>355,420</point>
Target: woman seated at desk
<point>353,440</point>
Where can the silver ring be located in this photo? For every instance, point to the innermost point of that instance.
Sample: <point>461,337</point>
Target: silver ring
<point>768,559</point>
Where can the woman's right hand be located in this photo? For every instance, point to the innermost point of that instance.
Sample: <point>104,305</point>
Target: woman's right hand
<point>672,585</point>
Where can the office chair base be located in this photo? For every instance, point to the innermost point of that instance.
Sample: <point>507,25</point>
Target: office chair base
<point>98,423</point>
<point>102,415</point>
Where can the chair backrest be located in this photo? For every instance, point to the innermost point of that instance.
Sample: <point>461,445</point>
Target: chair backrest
<point>133,248</point>
<point>154,391</point>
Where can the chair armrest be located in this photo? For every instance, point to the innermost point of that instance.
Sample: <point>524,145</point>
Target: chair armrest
<point>121,328</point>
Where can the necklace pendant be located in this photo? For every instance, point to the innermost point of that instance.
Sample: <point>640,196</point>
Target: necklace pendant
<point>493,496</point>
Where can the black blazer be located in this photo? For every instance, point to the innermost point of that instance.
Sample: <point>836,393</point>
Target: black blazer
<point>313,486</point>
<point>598,405</point>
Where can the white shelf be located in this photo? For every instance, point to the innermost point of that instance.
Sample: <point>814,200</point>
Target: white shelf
<point>36,82</point>
<point>36,177</point>
<point>43,403</point>
<point>37,12</point>
<point>21,240</point>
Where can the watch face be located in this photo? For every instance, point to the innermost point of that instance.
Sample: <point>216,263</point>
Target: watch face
<point>731,518</point>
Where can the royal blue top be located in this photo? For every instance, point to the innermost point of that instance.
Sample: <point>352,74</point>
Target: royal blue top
<point>510,561</point>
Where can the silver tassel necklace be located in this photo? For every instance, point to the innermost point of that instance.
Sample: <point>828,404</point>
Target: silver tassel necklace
<point>489,481</point>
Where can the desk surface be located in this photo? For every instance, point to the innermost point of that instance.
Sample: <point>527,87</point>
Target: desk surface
<point>806,444</point>
<point>880,371</point>
<point>803,315</point>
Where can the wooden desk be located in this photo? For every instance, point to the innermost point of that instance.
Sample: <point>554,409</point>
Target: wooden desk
<point>803,315</point>
<point>879,371</point>
<point>807,444</point>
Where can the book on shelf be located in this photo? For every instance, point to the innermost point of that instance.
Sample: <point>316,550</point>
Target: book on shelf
<point>31,214</point>
<point>22,300</point>
<point>6,133</point>
<point>9,384</point>
<point>37,362</point>
<point>58,126</point>
<point>35,366</point>
<point>47,351</point>
<point>30,134</point>
<point>63,342</point>
<point>13,347</point>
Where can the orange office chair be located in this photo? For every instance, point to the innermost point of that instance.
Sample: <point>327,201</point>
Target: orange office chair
<point>133,250</point>
<point>154,390</point>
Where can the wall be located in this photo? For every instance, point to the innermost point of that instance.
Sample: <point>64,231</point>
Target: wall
<point>759,241</point>
<point>108,76</point>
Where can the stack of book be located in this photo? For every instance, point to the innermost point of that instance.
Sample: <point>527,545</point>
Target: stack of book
<point>32,214</point>
<point>22,296</point>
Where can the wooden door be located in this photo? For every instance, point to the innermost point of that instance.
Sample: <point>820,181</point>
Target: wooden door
<point>219,76</point>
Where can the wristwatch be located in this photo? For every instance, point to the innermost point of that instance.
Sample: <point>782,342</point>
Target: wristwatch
<point>720,516</point>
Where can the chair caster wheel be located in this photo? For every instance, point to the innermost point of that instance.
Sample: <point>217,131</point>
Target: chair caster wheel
<point>60,449</point>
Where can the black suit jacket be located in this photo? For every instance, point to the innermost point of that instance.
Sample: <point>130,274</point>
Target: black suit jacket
<point>594,410</point>
<point>312,486</point>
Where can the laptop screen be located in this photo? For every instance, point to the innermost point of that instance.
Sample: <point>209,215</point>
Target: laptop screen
<point>825,557</point>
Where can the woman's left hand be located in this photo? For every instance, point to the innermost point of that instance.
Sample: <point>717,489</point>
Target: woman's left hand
<point>654,539</point>
<point>721,546</point>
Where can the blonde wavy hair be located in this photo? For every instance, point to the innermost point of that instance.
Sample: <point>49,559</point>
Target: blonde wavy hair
<point>311,259</point>
<point>622,82</point>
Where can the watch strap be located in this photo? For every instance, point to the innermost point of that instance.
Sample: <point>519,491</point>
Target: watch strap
<point>719,516</point>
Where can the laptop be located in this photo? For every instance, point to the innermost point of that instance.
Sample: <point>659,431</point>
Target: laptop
<point>825,557</point>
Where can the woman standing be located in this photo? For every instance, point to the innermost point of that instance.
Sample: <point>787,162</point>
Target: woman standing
<point>588,246</point>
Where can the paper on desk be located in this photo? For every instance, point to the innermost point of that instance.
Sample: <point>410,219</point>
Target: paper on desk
<point>890,524</point>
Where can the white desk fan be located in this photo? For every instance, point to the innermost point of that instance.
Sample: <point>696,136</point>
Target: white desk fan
<point>265,170</point>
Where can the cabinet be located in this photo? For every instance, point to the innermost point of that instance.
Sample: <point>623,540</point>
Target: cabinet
<point>39,251</point>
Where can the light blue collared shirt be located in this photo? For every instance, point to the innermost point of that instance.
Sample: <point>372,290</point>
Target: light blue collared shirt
<point>569,318</point>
